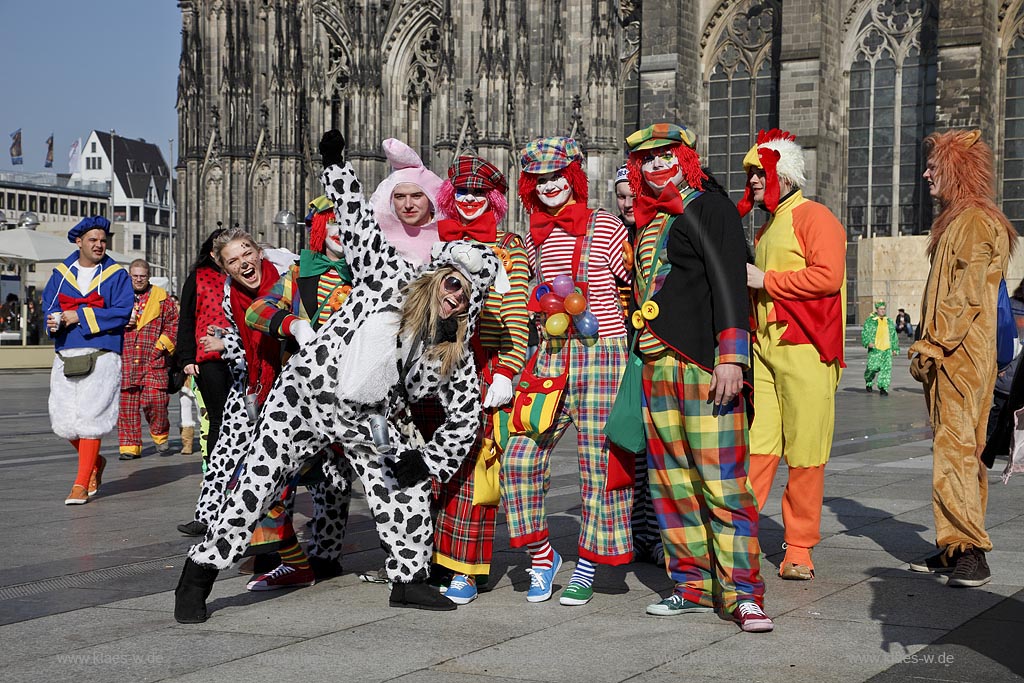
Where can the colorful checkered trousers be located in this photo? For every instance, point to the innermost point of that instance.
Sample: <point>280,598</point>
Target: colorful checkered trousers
<point>136,401</point>
<point>697,461</point>
<point>595,368</point>
<point>463,532</point>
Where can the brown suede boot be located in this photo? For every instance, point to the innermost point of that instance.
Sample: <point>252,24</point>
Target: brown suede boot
<point>187,435</point>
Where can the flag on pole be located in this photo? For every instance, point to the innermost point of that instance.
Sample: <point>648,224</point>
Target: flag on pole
<point>49,152</point>
<point>16,147</point>
<point>73,155</point>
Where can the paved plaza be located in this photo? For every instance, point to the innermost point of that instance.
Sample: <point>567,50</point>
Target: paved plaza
<point>86,591</point>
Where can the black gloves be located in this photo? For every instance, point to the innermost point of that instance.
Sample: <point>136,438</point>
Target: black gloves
<point>410,469</point>
<point>332,148</point>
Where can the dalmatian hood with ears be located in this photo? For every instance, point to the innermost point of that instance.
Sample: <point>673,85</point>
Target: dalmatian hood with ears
<point>477,263</point>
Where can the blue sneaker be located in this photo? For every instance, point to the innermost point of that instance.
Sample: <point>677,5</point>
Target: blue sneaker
<point>461,590</point>
<point>540,580</point>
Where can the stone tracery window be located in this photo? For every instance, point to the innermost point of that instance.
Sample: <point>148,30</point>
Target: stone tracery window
<point>891,110</point>
<point>1013,126</point>
<point>743,88</point>
<point>419,92</point>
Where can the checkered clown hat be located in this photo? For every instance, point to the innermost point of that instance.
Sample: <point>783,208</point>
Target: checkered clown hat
<point>661,135</point>
<point>545,155</point>
<point>476,173</point>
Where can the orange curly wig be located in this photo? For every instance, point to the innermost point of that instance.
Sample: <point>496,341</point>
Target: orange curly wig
<point>689,163</point>
<point>963,166</point>
<point>574,173</point>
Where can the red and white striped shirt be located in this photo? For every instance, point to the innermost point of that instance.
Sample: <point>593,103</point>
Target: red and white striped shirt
<point>605,264</point>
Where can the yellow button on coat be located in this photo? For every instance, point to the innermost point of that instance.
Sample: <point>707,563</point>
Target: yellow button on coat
<point>638,320</point>
<point>649,310</point>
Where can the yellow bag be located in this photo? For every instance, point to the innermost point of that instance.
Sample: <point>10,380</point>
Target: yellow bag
<point>487,475</point>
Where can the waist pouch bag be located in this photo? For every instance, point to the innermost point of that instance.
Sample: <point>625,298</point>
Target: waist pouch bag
<point>81,366</point>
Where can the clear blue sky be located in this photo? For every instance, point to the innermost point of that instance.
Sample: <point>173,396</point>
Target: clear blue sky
<point>71,66</point>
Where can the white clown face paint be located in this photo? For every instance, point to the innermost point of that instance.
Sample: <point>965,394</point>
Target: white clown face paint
<point>333,241</point>
<point>553,189</point>
<point>660,169</point>
<point>471,204</point>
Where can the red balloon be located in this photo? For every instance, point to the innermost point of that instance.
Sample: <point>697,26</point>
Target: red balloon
<point>551,303</point>
<point>575,303</point>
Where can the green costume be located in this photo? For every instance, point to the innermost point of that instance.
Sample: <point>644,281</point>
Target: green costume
<point>880,332</point>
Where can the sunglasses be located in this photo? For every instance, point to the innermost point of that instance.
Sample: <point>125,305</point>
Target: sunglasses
<point>452,284</point>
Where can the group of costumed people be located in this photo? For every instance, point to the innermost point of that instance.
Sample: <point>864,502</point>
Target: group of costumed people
<point>395,351</point>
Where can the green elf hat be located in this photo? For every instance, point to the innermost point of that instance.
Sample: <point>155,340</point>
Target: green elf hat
<point>879,304</point>
<point>661,135</point>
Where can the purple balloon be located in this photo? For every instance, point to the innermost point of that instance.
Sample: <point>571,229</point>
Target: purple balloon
<point>563,286</point>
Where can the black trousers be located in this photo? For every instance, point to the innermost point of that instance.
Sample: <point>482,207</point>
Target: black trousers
<point>214,381</point>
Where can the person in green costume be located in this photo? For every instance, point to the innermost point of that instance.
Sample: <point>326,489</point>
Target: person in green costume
<point>880,339</point>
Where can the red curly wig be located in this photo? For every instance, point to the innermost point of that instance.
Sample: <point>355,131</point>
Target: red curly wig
<point>318,229</point>
<point>574,173</point>
<point>446,202</point>
<point>689,163</point>
<point>963,167</point>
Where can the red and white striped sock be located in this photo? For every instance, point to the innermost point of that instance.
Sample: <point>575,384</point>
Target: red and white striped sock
<point>542,554</point>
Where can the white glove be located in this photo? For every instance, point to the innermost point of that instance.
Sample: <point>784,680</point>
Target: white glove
<point>303,332</point>
<point>499,393</point>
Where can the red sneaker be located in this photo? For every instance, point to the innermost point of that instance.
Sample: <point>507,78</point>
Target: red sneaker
<point>285,576</point>
<point>752,618</point>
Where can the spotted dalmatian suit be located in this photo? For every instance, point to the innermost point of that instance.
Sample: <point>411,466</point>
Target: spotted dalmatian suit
<point>329,390</point>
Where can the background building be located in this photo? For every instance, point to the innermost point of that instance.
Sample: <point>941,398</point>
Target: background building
<point>143,199</point>
<point>860,82</point>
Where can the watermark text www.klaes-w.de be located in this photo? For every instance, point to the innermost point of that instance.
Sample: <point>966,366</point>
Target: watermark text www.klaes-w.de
<point>893,658</point>
<point>108,658</point>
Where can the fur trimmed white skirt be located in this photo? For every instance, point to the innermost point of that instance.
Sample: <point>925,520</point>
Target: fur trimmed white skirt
<point>85,407</point>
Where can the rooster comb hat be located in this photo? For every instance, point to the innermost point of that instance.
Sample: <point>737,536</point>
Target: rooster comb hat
<point>779,156</point>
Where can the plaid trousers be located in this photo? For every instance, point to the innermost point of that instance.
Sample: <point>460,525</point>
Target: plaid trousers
<point>136,401</point>
<point>697,463</point>
<point>595,369</point>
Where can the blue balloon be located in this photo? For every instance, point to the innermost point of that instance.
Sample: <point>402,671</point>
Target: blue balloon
<point>586,324</point>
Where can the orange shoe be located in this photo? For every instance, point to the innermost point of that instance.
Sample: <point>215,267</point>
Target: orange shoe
<point>96,478</point>
<point>78,496</point>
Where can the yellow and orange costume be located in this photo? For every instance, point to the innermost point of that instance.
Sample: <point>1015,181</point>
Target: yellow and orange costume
<point>799,328</point>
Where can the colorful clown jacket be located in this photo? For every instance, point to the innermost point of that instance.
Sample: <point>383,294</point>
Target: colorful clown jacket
<point>149,343</point>
<point>802,250</point>
<point>697,304</point>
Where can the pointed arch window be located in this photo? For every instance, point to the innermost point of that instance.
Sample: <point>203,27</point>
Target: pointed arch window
<point>1013,127</point>
<point>891,111</point>
<point>743,88</point>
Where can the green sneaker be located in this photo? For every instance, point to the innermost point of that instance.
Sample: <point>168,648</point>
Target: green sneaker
<point>574,594</point>
<point>675,605</point>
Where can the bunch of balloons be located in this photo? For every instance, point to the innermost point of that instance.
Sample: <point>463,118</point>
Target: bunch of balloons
<point>561,299</point>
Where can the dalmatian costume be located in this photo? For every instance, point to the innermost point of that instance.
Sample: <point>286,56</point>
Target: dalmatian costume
<point>358,367</point>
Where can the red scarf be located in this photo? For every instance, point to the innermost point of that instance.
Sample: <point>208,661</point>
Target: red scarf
<point>262,351</point>
<point>647,208</point>
<point>483,228</point>
<point>573,219</point>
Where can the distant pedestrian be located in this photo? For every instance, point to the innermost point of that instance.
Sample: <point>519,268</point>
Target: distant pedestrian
<point>148,345</point>
<point>879,337</point>
<point>903,324</point>
<point>955,357</point>
<point>88,301</point>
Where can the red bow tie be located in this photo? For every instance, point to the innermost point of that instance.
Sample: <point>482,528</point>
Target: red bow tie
<point>70,303</point>
<point>646,208</point>
<point>572,219</point>
<point>483,228</point>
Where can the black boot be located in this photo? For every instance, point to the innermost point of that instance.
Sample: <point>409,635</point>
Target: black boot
<point>418,595</point>
<point>193,528</point>
<point>324,569</point>
<point>194,587</point>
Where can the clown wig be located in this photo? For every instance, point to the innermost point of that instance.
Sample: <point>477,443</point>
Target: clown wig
<point>689,164</point>
<point>574,173</point>
<point>446,200</point>
<point>318,229</point>
<point>962,166</point>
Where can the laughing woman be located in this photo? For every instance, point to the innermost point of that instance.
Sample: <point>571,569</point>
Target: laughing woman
<point>254,359</point>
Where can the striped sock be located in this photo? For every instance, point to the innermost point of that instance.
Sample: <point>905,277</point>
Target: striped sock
<point>293,555</point>
<point>541,554</point>
<point>583,575</point>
